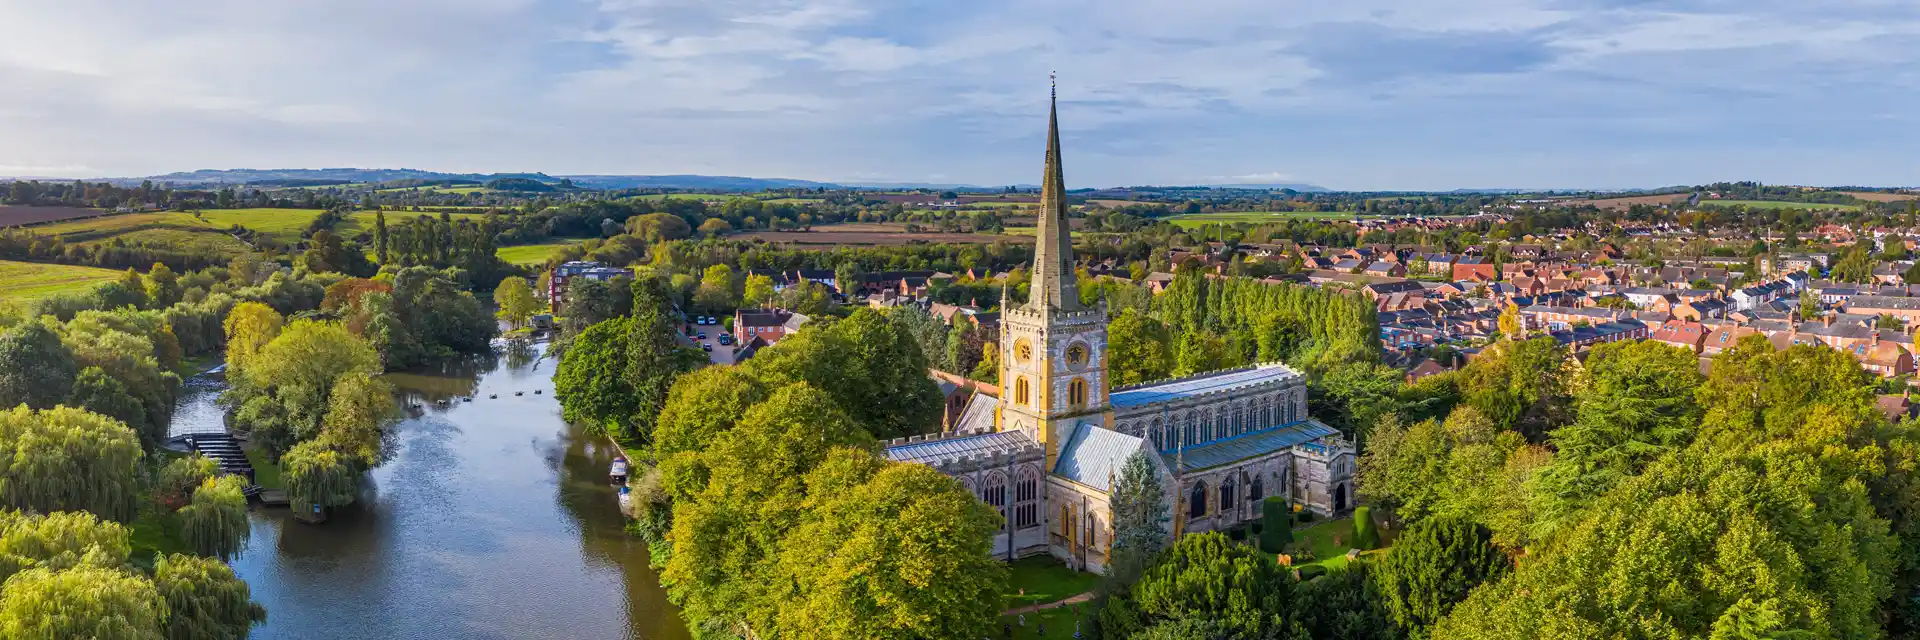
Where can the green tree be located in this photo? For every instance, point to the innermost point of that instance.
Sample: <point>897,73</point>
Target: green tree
<point>1346,604</point>
<point>1432,566</point>
<point>759,290</point>
<point>1205,577</point>
<point>205,600</point>
<point>655,357</point>
<point>319,477</point>
<point>1140,518</point>
<point>658,227</point>
<point>903,554</point>
<point>83,602</point>
<point>249,327</point>
<point>591,380</point>
<point>380,236</point>
<point>715,227</point>
<point>66,459</point>
<point>516,301</point>
<point>35,368</point>
<point>162,286</point>
<point>1138,349</point>
<point>872,365</point>
<point>297,371</point>
<point>100,393</point>
<point>215,523</point>
<point>717,293</point>
<point>1637,404</point>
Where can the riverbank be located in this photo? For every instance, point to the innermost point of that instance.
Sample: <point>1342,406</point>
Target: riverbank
<point>490,519</point>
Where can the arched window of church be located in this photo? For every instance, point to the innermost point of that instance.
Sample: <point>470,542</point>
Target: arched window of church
<point>1220,424</point>
<point>1293,405</point>
<point>1026,499</point>
<point>1159,435</point>
<point>1020,393</point>
<point>1266,412</point>
<point>1239,419</point>
<point>1226,494</point>
<point>1077,393</point>
<point>1197,501</point>
<point>996,493</point>
<point>1259,488</point>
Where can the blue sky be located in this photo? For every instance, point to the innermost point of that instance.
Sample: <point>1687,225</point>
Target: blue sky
<point>1358,94</point>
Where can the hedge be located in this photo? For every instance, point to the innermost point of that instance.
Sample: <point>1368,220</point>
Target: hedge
<point>1276,529</point>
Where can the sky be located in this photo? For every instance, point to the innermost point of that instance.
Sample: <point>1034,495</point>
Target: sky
<point>1356,94</point>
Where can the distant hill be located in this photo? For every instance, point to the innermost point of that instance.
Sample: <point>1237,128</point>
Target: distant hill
<point>329,176</point>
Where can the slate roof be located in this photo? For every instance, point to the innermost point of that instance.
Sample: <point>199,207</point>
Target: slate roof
<point>978,416</point>
<point>1093,455</point>
<point>1249,445</point>
<point>934,451</point>
<point>1172,390</point>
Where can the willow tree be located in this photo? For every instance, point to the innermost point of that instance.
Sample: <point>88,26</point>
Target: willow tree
<point>318,476</point>
<point>215,523</point>
<point>66,459</point>
<point>83,602</point>
<point>204,599</point>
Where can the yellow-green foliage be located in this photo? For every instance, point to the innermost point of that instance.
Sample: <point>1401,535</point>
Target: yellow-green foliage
<point>23,281</point>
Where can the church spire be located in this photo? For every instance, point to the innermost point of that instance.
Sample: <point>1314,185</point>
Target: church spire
<point>1053,284</point>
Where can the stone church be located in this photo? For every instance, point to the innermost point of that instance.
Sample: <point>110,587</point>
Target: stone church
<point>1048,450</point>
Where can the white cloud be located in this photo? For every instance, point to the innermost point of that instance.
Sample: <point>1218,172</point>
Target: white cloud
<point>1364,94</point>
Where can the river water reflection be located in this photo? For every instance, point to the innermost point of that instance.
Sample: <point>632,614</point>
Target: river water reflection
<point>492,519</point>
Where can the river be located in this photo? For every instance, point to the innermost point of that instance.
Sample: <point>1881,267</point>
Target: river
<point>492,519</point>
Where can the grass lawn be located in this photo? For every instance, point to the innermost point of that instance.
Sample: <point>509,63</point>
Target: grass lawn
<point>24,281</point>
<point>265,473</point>
<point>1329,541</point>
<point>1043,579</point>
<point>1058,623</point>
<point>1769,204</point>
<point>530,254</point>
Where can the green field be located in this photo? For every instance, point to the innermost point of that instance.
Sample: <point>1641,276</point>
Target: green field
<point>530,254</point>
<point>284,225</point>
<point>362,221</point>
<point>23,281</point>
<point>695,196</point>
<point>1770,204</point>
<point>1257,217</point>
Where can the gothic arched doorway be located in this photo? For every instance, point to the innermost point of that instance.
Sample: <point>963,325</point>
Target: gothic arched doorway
<point>1339,498</point>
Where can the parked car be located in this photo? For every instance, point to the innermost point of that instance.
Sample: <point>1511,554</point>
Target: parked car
<point>706,347</point>
<point>702,336</point>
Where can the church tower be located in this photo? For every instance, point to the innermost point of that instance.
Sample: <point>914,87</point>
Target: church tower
<point>1053,349</point>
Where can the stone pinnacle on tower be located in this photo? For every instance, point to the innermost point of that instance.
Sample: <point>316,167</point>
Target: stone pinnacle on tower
<point>1053,285</point>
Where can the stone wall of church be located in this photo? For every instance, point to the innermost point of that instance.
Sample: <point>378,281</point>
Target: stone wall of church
<point>1323,477</point>
<point>1016,486</point>
<point>1224,497</point>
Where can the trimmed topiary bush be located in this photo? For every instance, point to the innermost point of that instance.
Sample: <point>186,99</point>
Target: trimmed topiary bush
<point>1276,530</point>
<point>1311,571</point>
<point>1366,535</point>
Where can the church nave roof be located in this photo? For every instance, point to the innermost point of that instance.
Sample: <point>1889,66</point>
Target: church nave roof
<point>1252,445</point>
<point>1215,382</point>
